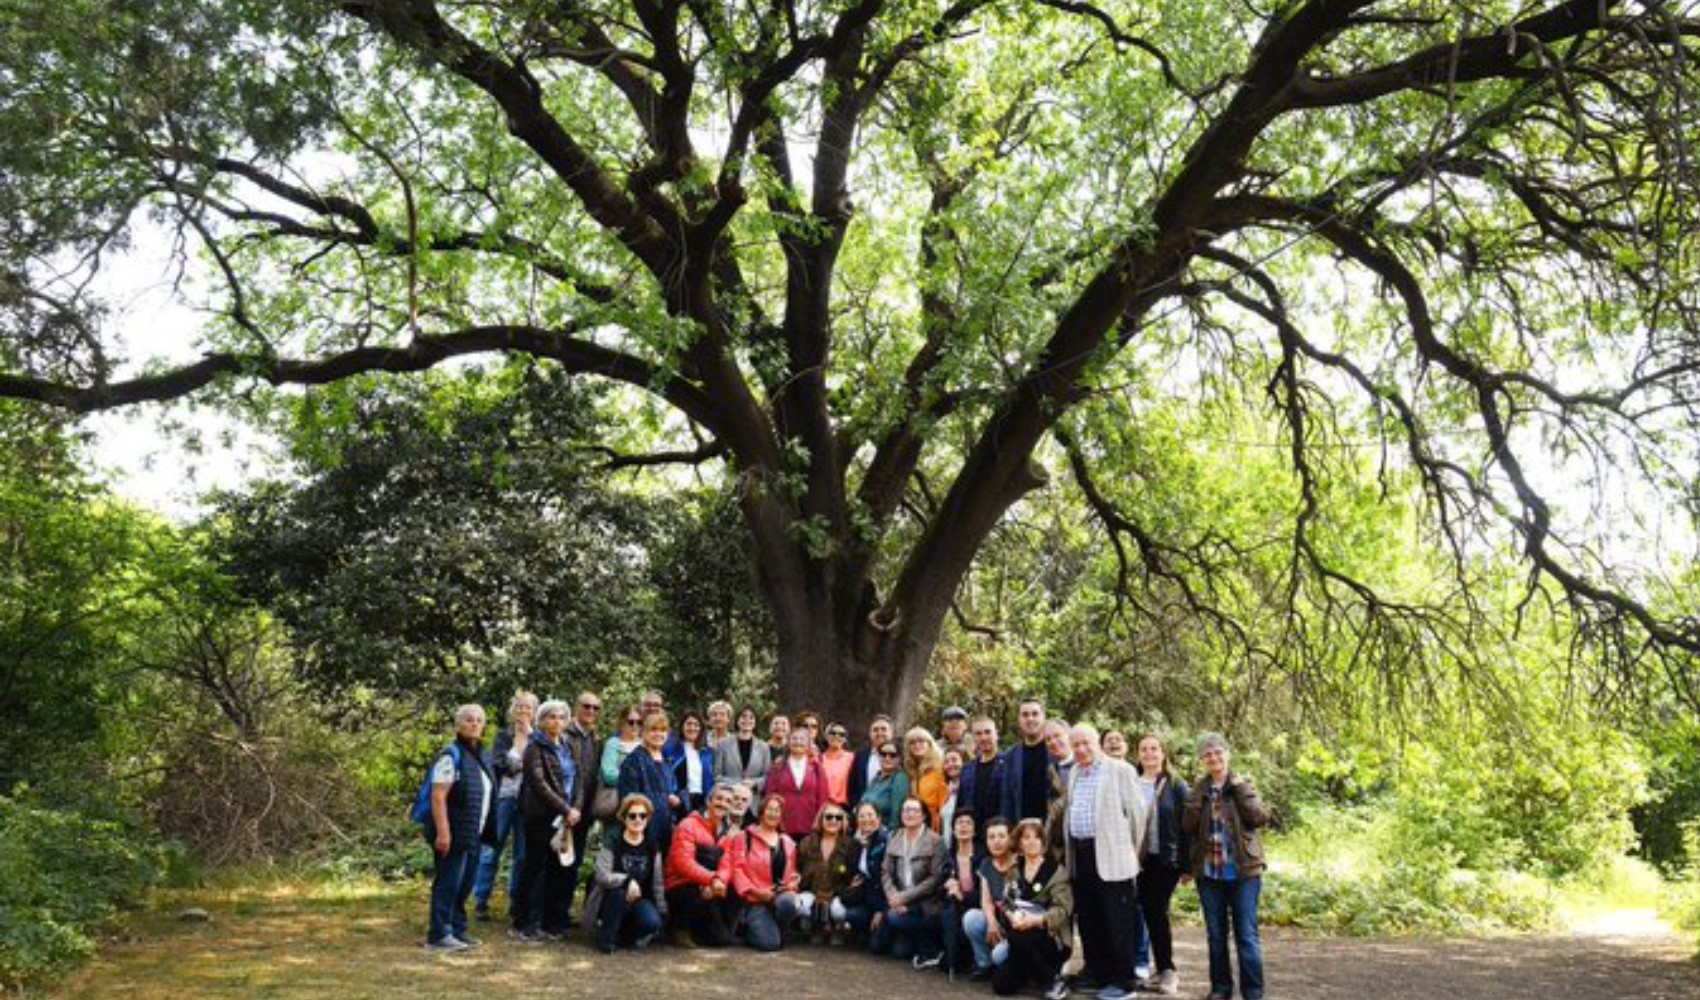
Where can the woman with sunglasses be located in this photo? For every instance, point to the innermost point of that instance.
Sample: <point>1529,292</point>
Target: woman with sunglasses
<point>645,772</point>
<point>864,898</point>
<point>619,746</point>
<point>836,761</point>
<point>913,877</point>
<point>743,756</point>
<point>761,867</point>
<point>824,861</point>
<point>889,787</point>
<point>628,899</point>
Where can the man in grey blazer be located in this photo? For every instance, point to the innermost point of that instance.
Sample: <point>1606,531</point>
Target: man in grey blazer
<point>1103,821</point>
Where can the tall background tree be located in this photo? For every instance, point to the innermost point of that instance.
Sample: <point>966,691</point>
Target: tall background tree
<point>896,265</point>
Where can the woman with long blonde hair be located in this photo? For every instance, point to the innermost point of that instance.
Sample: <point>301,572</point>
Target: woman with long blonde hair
<point>924,763</point>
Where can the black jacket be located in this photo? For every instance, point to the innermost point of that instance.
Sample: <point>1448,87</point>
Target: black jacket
<point>1171,846</point>
<point>544,792</point>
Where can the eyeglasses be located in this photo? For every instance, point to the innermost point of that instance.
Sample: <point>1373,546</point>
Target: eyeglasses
<point>590,708</point>
<point>888,753</point>
<point>834,817</point>
<point>634,722</point>
<point>636,814</point>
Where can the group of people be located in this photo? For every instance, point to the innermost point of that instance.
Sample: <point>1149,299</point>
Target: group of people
<point>1049,863</point>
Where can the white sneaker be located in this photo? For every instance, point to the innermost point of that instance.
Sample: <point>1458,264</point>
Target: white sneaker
<point>1058,991</point>
<point>447,945</point>
<point>1168,983</point>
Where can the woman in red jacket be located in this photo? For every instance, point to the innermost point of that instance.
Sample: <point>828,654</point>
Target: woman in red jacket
<point>800,784</point>
<point>760,866</point>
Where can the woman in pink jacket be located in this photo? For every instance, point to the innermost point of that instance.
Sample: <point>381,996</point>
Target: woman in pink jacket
<point>760,867</point>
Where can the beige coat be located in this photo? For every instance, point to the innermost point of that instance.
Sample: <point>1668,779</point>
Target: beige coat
<point>1118,819</point>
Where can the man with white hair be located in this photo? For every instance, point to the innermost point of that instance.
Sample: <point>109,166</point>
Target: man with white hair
<point>462,805</point>
<point>1103,824</point>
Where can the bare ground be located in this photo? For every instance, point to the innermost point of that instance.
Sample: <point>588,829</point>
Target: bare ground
<point>293,942</point>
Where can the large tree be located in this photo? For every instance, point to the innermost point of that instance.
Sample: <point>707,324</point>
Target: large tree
<point>886,258</point>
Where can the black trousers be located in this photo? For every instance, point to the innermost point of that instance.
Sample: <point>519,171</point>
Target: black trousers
<point>709,921</point>
<point>544,900</point>
<point>1105,912</point>
<point>1157,883</point>
<point>1033,956</point>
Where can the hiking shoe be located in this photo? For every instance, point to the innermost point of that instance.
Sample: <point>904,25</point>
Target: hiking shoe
<point>1058,990</point>
<point>447,945</point>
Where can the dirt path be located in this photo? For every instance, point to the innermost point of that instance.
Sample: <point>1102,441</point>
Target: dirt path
<point>286,944</point>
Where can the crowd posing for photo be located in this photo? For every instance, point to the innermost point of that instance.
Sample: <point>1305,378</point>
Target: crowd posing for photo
<point>1049,864</point>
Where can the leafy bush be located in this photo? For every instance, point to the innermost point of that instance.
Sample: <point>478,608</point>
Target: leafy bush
<point>390,849</point>
<point>61,874</point>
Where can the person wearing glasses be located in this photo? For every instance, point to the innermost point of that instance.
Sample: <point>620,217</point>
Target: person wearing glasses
<point>824,861</point>
<point>867,764</point>
<point>645,772</point>
<point>953,731</point>
<point>507,760</point>
<point>761,867</point>
<point>912,877</point>
<point>743,756</point>
<point>619,746</point>
<point>890,787</point>
<point>580,735</point>
<point>696,893</point>
<point>835,762</point>
<point>627,906</point>
<point>547,797</point>
<point>800,784</point>
<point>1221,821</point>
<point>864,897</point>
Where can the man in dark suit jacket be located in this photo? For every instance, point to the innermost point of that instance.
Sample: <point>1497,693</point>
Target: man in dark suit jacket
<point>867,762</point>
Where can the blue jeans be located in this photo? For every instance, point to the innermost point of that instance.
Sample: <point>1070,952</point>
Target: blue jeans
<point>451,883</point>
<point>974,927</point>
<point>907,934</point>
<point>1238,899</point>
<point>628,921</point>
<point>490,859</point>
<point>761,925</point>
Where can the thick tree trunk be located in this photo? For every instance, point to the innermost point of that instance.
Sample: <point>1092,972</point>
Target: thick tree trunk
<point>848,678</point>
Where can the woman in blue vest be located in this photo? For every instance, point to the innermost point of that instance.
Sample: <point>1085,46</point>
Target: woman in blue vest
<point>462,804</point>
<point>646,773</point>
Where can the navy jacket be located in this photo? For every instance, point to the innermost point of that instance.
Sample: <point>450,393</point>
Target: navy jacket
<point>643,775</point>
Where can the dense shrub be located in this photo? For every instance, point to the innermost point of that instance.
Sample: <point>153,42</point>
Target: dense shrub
<point>61,874</point>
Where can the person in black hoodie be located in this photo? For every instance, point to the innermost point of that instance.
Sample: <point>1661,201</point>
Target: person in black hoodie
<point>462,805</point>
